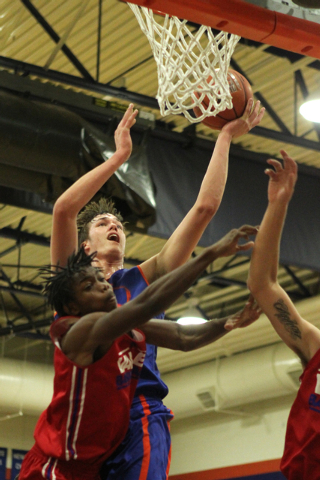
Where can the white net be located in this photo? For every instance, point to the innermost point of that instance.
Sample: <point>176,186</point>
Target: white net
<point>192,64</point>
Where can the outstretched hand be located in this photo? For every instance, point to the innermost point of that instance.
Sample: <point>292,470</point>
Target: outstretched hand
<point>245,317</point>
<point>282,179</point>
<point>122,135</point>
<point>252,117</point>
<point>229,244</point>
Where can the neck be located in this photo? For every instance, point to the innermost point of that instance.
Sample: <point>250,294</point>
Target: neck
<point>106,267</point>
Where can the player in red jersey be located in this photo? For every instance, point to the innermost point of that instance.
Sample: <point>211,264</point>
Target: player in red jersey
<point>101,230</point>
<point>98,358</point>
<point>301,459</point>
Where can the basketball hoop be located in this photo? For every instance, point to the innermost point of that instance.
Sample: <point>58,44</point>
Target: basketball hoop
<point>191,65</point>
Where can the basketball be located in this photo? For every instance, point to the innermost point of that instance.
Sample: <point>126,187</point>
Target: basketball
<point>241,92</point>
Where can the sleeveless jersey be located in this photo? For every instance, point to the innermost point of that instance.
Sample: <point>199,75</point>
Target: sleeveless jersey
<point>127,284</point>
<point>89,401</point>
<point>301,459</point>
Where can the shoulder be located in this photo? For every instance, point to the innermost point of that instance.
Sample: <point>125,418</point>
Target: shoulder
<point>60,326</point>
<point>127,276</point>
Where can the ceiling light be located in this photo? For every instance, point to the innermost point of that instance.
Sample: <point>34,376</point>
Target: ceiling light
<point>192,315</point>
<point>310,110</point>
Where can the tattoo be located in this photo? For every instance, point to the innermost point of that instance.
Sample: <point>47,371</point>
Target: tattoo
<point>284,316</point>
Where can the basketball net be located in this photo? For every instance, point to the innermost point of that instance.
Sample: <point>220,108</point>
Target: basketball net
<point>192,65</point>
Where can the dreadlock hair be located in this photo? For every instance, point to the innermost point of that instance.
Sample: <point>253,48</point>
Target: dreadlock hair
<point>90,212</point>
<point>58,281</point>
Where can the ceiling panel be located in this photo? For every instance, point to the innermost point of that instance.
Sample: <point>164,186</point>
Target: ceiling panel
<point>126,63</point>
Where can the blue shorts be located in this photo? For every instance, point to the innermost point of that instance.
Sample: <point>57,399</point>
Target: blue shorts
<point>145,453</point>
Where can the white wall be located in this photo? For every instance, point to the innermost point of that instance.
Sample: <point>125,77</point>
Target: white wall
<point>219,440</point>
<point>204,442</point>
<point>17,433</point>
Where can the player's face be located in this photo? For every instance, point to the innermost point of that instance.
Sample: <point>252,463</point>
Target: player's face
<point>92,293</point>
<point>106,237</point>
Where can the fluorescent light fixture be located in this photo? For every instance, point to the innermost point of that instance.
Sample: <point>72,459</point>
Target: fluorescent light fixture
<point>310,110</point>
<point>192,316</point>
<point>191,320</point>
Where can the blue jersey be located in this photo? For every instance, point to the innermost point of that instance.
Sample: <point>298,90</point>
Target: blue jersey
<point>145,453</point>
<point>127,284</point>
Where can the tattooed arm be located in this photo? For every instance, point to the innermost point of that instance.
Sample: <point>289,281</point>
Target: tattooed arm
<point>302,337</point>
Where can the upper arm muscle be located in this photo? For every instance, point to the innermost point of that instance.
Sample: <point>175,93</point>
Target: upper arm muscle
<point>301,336</point>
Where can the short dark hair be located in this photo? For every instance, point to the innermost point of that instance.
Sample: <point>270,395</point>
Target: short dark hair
<point>90,212</point>
<point>58,281</point>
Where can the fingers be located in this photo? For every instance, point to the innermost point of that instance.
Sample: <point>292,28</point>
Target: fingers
<point>259,117</point>
<point>229,325</point>
<point>249,109</point>
<point>129,118</point>
<point>245,317</point>
<point>275,163</point>
<point>244,232</point>
<point>288,168</point>
<point>255,114</point>
<point>247,230</point>
<point>126,115</point>
<point>289,163</point>
<point>244,246</point>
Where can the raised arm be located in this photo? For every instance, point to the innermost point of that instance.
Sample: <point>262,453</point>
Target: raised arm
<point>302,337</point>
<point>168,334</point>
<point>89,333</point>
<point>64,236</point>
<point>184,239</point>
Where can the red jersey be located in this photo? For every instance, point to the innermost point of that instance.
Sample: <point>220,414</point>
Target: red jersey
<point>301,459</point>
<point>89,401</point>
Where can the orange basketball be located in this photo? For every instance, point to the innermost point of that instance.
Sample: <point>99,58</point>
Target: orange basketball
<point>241,92</point>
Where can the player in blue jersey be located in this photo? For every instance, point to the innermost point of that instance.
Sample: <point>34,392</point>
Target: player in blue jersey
<point>145,453</point>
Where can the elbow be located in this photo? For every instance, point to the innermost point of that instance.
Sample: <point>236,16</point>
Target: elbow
<point>250,285</point>
<point>254,287</point>
<point>259,288</point>
<point>60,208</point>
<point>185,342</point>
<point>208,210</point>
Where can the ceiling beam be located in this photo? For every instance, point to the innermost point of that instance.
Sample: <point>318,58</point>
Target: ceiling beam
<point>55,37</point>
<point>143,100</point>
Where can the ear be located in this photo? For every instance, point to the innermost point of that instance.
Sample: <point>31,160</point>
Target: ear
<point>71,309</point>
<point>86,247</point>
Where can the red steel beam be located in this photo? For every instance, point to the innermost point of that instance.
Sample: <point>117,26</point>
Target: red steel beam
<point>247,20</point>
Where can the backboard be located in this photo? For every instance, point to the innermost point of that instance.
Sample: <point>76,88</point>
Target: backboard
<point>280,23</point>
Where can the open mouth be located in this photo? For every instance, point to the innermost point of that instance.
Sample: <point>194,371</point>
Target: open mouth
<point>113,237</point>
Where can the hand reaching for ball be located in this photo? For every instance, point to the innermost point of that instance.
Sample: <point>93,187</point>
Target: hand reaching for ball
<point>252,117</point>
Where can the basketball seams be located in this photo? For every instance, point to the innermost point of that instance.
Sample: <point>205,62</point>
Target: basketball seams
<point>240,99</point>
<point>244,89</point>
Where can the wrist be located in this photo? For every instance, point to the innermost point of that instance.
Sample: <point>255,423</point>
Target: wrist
<point>210,254</point>
<point>120,156</point>
<point>226,135</point>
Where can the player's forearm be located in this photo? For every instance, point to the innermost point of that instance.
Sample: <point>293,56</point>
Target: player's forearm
<point>214,181</point>
<point>265,255</point>
<point>168,334</point>
<point>197,336</point>
<point>153,300</point>
<point>177,249</point>
<point>82,191</point>
<point>168,288</point>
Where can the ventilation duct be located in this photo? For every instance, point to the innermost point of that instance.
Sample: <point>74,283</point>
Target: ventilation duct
<point>221,384</point>
<point>225,383</point>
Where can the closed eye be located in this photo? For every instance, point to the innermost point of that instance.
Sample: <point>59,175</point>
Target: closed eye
<point>102,279</point>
